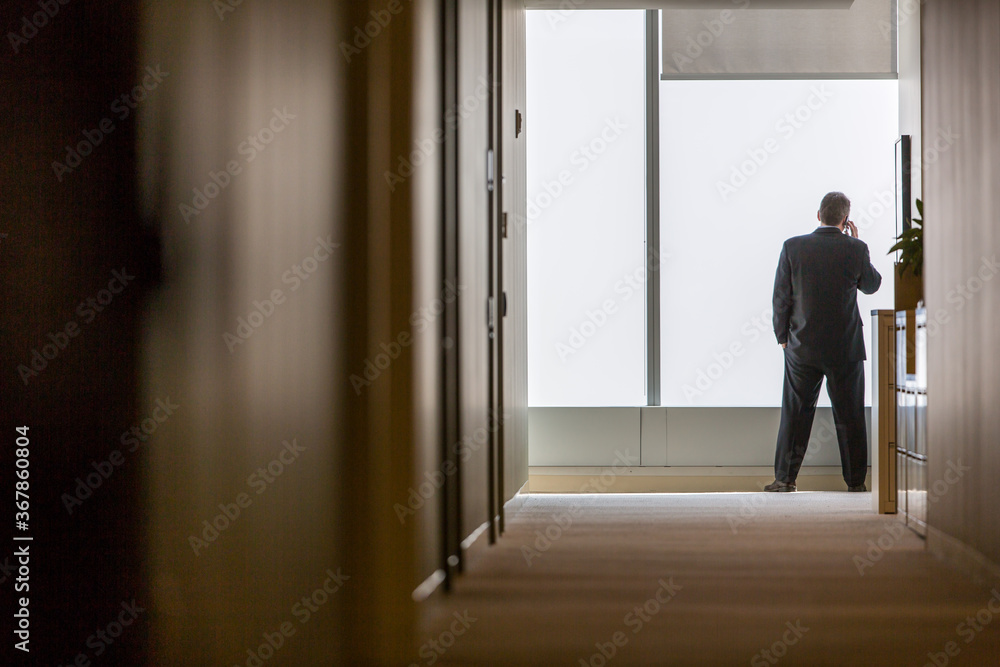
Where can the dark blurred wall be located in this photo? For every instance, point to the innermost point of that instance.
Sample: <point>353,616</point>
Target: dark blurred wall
<point>69,365</point>
<point>961,193</point>
<point>240,289</point>
<point>291,269</point>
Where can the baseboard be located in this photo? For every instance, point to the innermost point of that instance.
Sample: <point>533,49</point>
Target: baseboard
<point>428,586</point>
<point>516,502</point>
<point>677,479</point>
<point>472,546</point>
<point>476,540</point>
<point>963,557</point>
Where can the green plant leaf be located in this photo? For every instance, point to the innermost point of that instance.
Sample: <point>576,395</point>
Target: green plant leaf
<point>910,244</point>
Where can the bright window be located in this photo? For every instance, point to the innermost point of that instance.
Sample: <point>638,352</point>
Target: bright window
<point>743,166</point>
<point>586,208</point>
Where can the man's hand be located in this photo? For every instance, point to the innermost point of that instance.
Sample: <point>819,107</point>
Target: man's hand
<point>851,228</point>
<point>783,345</point>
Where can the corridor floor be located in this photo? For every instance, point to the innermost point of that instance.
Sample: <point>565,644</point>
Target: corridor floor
<point>709,579</point>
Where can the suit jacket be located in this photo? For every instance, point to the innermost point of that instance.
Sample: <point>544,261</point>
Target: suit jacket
<point>816,296</point>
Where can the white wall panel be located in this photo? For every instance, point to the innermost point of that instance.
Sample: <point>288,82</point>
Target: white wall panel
<point>582,436</point>
<point>670,436</point>
<point>653,436</point>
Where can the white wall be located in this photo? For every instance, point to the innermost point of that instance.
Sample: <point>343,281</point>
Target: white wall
<point>691,437</point>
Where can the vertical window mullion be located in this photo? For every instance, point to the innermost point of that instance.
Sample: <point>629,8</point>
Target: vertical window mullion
<point>652,207</point>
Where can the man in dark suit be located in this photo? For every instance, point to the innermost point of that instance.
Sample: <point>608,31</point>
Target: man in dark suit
<point>817,323</point>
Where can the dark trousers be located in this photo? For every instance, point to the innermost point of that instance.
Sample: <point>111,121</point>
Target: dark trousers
<point>846,385</point>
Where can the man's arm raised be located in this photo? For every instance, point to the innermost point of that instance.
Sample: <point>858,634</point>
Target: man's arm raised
<point>870,279</point>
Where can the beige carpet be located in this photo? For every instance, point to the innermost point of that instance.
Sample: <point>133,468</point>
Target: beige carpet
<point>736,575</point>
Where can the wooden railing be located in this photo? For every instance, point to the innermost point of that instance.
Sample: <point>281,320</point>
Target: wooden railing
<point>883,431</point>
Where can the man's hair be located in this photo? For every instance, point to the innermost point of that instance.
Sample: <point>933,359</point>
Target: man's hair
<point>834,208</point>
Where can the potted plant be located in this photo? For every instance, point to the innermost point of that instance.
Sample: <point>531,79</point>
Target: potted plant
<point>909,282</point>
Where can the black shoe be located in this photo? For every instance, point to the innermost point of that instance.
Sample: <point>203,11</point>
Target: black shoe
<point>779,487</point>
<point>860,488</point>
